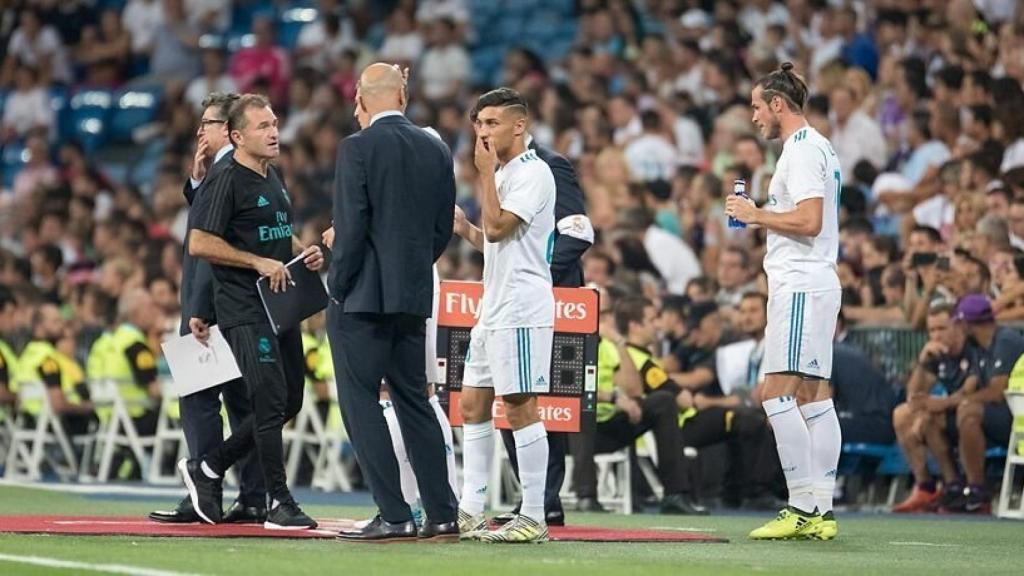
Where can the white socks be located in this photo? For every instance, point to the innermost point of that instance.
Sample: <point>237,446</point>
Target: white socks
<point>410,492</point>
<point>449,444</point>
<point>532,452</point>
<point>826,444</point>
<point>477,455</point>
<point>794,444</point>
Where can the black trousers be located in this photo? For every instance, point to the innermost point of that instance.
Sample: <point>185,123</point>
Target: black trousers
<point>204,430</point>
<point>558,443</point>
<point>660,415</point>
<point>753,460</point>
<point>272,370</point>
<point>367,348</point>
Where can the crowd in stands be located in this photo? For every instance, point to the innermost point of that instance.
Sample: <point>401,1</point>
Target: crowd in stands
<point>921,99</point>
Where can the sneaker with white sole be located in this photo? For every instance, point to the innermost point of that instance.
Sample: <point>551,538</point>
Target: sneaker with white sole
<point>288,516</point>
<point>203,491</point>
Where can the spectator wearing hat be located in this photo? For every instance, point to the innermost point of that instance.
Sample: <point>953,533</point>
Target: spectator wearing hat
<point>983,415</point>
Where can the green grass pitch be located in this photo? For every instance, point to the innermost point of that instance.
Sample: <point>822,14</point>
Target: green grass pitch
<point>867,545</point>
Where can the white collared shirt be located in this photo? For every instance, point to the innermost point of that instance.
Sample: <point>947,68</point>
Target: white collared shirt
<point>384,114</point>
<point>216,158</point>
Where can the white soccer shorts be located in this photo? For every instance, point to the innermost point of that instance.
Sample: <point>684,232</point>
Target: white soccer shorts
<point>801,328</point>
<point>510,360</point>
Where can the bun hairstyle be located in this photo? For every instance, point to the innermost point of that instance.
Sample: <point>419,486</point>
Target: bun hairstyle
<point>786,84</point>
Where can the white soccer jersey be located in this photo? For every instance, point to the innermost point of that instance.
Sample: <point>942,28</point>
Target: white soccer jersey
<point>807,168</point>
<point>517,273</point>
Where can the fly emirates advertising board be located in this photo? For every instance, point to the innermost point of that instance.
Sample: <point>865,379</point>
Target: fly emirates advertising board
<point>573,358</point>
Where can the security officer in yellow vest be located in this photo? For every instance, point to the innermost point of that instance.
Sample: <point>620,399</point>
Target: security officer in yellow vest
<point>62,377</point>
<point>8,359</point>
<point>634,396</point>
<point>125,357</point>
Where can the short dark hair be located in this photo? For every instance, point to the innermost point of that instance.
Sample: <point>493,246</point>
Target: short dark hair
<point>750,138</point>
<point>650,120</point>
<point>236,114</point>
<point>951,76</point>
<point>786,84</point>
<point>221,102</point>
<point>501,98</point>
<point>982,113</point>
<point>758,295</point>
<point>857,225</point>
<point>1001,191</point>
<point>52,255</point>
<point>6,297</point>
<point>981,79</point>
<point>598,254</point>
<point>630,309</point>
<point>884,245</point>
<point>675,304</point>
<point>744,255</point>
<point>986,275</point>
<point>928,231</point>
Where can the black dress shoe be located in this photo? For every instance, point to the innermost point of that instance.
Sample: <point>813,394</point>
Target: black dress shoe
<point>682,504</point>
<point>380,530</point>
<point>589,504</point>
<point>242,514</point>
<point>502,519</point>
<point>182,514</point>
<point>445,531</point>
<point>554,518</point>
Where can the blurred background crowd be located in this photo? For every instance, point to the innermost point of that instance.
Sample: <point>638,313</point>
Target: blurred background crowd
<point>922,100</point>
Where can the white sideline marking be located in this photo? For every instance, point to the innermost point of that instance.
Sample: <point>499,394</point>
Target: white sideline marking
<point>114,489</point>
<point>932,544</point>
<point>103,522</point>
<point>108,568</point>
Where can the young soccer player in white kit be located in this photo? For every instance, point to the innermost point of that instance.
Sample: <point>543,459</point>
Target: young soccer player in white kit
<point>510,346</point>
<point>802,219</point>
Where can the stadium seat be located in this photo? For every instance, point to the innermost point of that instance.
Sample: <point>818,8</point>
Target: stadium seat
<point>169,439</point>
<point>290,24</point>
<point>117,429</point>
<point>116,5</point>
<point>30,440</point>
<point>15,157</point>
<point>133,108</point>
<point>89,117</point>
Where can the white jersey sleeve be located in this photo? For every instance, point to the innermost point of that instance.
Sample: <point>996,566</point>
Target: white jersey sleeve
<point>526,196</point>
<point>807,176</point>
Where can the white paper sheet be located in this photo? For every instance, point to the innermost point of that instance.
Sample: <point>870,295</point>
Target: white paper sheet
<point>196,367</point>
<point>732,363</point>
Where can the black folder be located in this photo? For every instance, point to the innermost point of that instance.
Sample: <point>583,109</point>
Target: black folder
<point>304,297</point>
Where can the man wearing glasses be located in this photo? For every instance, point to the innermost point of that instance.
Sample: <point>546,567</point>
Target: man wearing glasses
<point>200,412</point>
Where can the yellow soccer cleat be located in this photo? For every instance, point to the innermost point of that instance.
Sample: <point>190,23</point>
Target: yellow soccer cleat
<point>471,526</point>
<point>827,529</point>
<point>521,530</point>
<point>788,525</point>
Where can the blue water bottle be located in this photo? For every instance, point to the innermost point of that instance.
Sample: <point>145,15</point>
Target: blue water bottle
<point>739,188</point>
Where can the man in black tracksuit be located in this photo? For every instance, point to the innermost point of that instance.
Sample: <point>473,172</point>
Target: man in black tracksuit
<point>200,411</point>
<point>573,235</point>
<point>245,229</point>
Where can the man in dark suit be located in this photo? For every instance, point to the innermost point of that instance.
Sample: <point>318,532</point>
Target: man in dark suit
<point>200,412</point>
<point>573,235</point>
<point>393,212</point>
